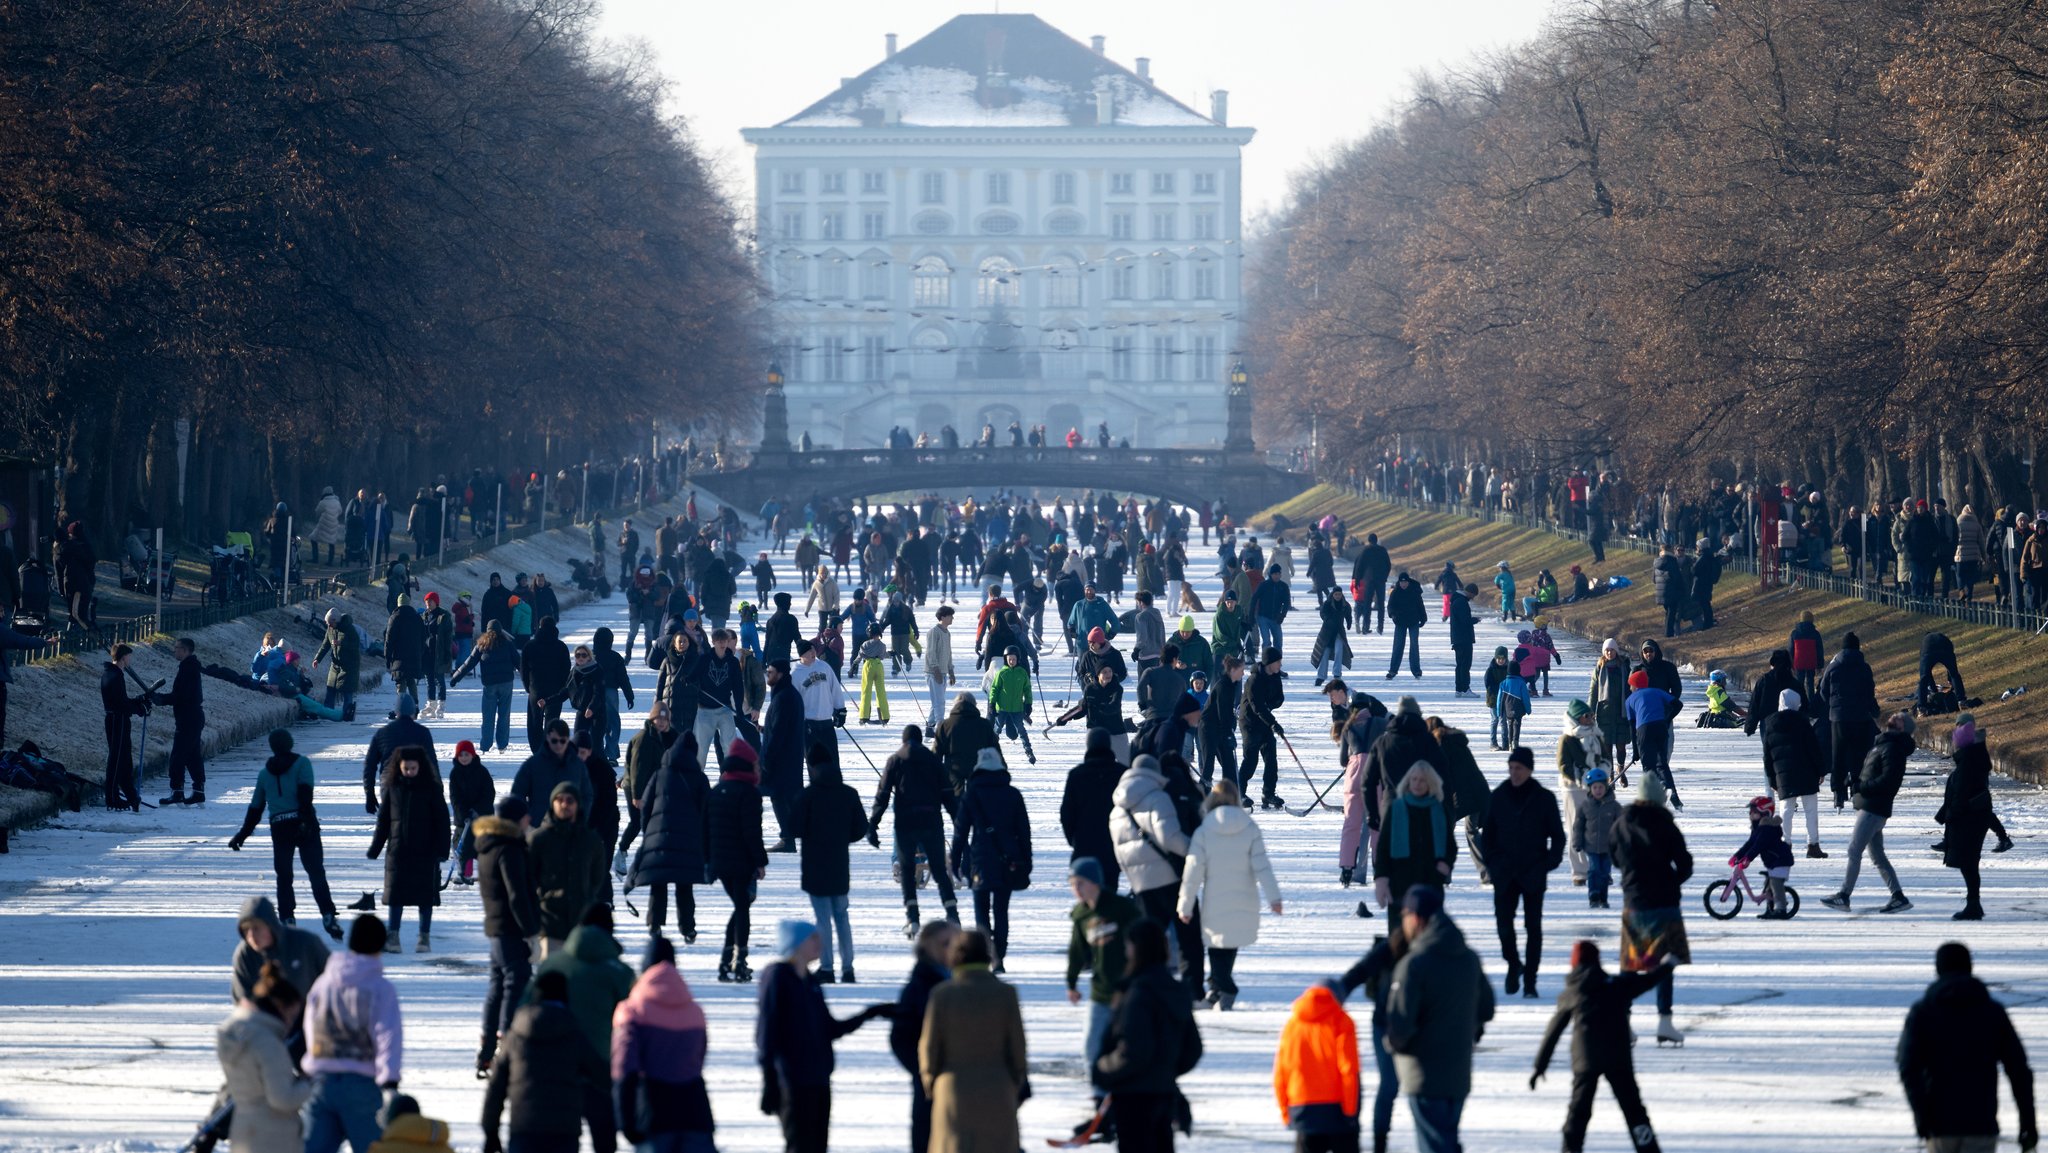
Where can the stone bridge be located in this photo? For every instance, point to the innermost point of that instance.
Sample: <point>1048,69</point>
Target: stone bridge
<point>1241,479</point>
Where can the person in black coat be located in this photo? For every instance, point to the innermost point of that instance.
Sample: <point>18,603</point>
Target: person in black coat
<point>541,1073</point>
<point>618,683</point>
<point>1654,862</point>
<point>1405,741</point>
<point>412,821</point>
<point>734,856</point>
<point>1596,1004</point>
<point>1875,790</point>
<point>793,1036</point>
<point>403,731</point>
<point>906,1024</point>
<point>829,817</point>
<point>780,634</point>
<point>783,731</point>
<point>675,832</point>
<point>1086,803</point>
<point>1522,842</point>
<point>603,814</point>
<point>405,647</point>
<point>1218,734</point>
<point>188,718</point>
<point>471,794</point>
<point>1938,652</point>
<point>1850,690</point>
<point>544,672</point>
<point>1955,1038</point>
<point>916,781</point>
<point>121,752</point>
<point>1404,604</point>
<point>1258,719</point>
<point>993,848</point>
<point>1150,1043</point>
<point>1462,637</point>
<point>504,883</point>
<point>1765,693</point>
<point>1793,765</point>
<point>1966,814</point>
<point>1369,582</point>
<point>1664,675</point>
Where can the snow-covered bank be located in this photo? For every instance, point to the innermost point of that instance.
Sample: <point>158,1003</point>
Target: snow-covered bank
<point>118,930</point>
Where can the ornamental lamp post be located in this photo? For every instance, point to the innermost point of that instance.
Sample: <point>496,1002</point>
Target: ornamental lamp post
<point>775,414</point>
<point>1237,435</point>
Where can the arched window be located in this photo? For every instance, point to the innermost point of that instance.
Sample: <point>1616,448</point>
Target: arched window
<point>931,283</point>
<point>996,286</point>
<point>932,358</point>
<point>1062,277</point>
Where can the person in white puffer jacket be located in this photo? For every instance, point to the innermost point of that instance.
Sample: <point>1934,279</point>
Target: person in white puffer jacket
<point>1227,869</point>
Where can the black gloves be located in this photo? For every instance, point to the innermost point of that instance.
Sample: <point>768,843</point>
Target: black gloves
<point>771,1093</point>
<point>874,839</point>
<point>370,802</point>
<point>235,842</point>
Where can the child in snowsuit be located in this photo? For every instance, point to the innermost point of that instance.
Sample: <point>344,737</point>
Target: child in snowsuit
<point>1721,712</point>
<point>1495,674</point>
<point>1541,644</point>
<point>1511,704</point>
<point>1315,1072</point>
<point>1009,699</point>
<point>1595,1004</point>
<point>1767,841</point>
<point>1593,836</point>
<point>764,577</point>
<point>873,678</point>
<point>1504,580</point>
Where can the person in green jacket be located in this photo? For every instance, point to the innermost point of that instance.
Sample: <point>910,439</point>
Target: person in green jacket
<point>345,673</point>
<point>1195,653</point>
<point>1226,629</point>
<point>598,981</point>
<point>1102,919</point>
<point>284,788</point>
<point>1009,699</point>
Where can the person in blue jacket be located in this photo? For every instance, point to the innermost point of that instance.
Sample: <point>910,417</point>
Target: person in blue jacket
<point>1650,710</point>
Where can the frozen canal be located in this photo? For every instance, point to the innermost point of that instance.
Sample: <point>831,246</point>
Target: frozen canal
<point>118,929</point>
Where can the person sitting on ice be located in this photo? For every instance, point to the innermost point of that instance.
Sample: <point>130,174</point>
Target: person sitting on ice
<point>1721,712</point>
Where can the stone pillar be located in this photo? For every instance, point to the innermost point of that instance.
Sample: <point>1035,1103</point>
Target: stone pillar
<point>1237,434</point>
<point>775,415</point>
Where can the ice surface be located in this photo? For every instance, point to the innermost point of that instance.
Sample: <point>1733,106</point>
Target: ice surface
<point>118,928</point>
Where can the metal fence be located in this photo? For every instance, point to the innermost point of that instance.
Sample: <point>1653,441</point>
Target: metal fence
<point>1999,615</point>
<point>65,642</point>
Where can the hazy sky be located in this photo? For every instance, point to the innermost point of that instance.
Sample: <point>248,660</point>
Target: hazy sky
<point>1308,74</point>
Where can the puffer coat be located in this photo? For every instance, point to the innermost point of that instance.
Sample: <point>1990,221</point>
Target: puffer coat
<point>1227,869</point>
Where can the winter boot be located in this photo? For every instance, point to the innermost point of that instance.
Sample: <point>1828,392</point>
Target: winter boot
<point>2003,844</point>
<point>953,913</point>
<point>425,944</point>
<point>1667,1033</point>
<point>1898,904</point>
<point>177,798</point>
<point>392,944</point>
<point>332,924</point>
<point>1514,982</point>
<point>197,797</point>
<point>1344,876</point>
<point>1970,912</point>
<point>825,977</point>
<point>1529,985</point>
<point>1815,852</point>
<point>724,971</point>
<point>1838,901</point>
<point>1226,1003</point>
<point>846,976</point>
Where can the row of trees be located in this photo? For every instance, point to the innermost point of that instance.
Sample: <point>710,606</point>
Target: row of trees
<point>1787,239</point>
<point>350,243</point>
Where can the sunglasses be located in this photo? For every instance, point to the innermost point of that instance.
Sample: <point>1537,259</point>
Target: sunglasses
<point>558,740</point>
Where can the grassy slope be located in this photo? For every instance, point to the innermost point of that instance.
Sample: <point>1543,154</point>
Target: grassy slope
<point>1750,622</point>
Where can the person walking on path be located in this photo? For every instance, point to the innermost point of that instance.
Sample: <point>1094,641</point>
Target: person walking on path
<point>934,947</point>
<point>793,1036</point>
<point>829,817</point>
<point>284,789</point>
<point>1875,789</point>
<point>915,780</point>
<point>659,1039</point>
<point>1596,1006</point>
<point>1227,869</point>
<point>1966,815</point>
<point>412,822</point>
<point>1793,766</point>
<point>1654,862</point>
<point>1375,971</point>
<point>1850,690</point>
<point>1437,1009</point>
<point>539,1075</point>
<point>734,856</point>
<point>971,1055</point>
<point>1523,842</point>
<point>1150,1044</point>
<point>1102,920</point>
<point>267,1089</point>
<point>1415,847</point>
<point>1955,1038</point>
<point>993,849</point>
<point>355,1043</point>
<point>504,882</point>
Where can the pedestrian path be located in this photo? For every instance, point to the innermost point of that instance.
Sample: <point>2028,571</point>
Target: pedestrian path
<point>118,931</point>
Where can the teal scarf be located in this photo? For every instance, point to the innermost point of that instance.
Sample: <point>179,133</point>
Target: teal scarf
<point>1398,830</point>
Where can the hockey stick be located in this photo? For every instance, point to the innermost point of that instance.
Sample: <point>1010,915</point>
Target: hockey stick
<point>1318,802</point>
<point>864,755</point>
<point>1087,1135</point>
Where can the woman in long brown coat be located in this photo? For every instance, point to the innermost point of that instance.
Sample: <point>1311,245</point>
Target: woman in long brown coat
<point>972,1055</point>
<point>413,837</point>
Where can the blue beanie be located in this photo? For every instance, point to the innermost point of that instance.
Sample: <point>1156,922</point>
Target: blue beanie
<point>790,934</point>
<point>1087,868</point>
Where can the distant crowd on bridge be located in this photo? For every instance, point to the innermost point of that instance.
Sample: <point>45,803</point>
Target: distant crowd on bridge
<point>1017,436</point>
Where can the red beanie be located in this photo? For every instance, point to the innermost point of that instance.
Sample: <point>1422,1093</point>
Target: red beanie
<point>462,747</point>
<point>1639,680</point>
<point>1586,955</point>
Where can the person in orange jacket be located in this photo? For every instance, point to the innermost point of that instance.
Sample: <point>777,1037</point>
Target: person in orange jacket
<point>1315,1073</point>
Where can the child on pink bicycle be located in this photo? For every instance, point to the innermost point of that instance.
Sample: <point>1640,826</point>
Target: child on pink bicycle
<point>1767,841</point>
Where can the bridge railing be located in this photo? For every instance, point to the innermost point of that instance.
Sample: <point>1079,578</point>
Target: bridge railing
<point>828,459</point>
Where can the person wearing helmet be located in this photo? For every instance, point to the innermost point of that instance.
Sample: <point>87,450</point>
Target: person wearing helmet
<point>1592,835</point>
<point>1767,841</point>
<point>1721,711</point>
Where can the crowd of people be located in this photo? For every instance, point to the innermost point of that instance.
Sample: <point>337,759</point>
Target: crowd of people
<point>738,766</point>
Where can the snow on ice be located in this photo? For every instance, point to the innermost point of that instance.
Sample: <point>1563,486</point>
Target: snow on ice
<point>118,929</point>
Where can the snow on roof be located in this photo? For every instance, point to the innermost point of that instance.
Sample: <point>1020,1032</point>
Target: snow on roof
<point>995,71</point>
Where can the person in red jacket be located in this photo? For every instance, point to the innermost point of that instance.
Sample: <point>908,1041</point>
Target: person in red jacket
<point>1315,1073</point>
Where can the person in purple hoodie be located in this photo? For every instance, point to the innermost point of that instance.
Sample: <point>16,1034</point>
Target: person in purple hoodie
<point>355,1043</point>
<point>659,1038</point>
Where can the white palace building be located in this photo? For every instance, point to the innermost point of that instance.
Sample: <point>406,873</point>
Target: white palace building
<point>999,223</point>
